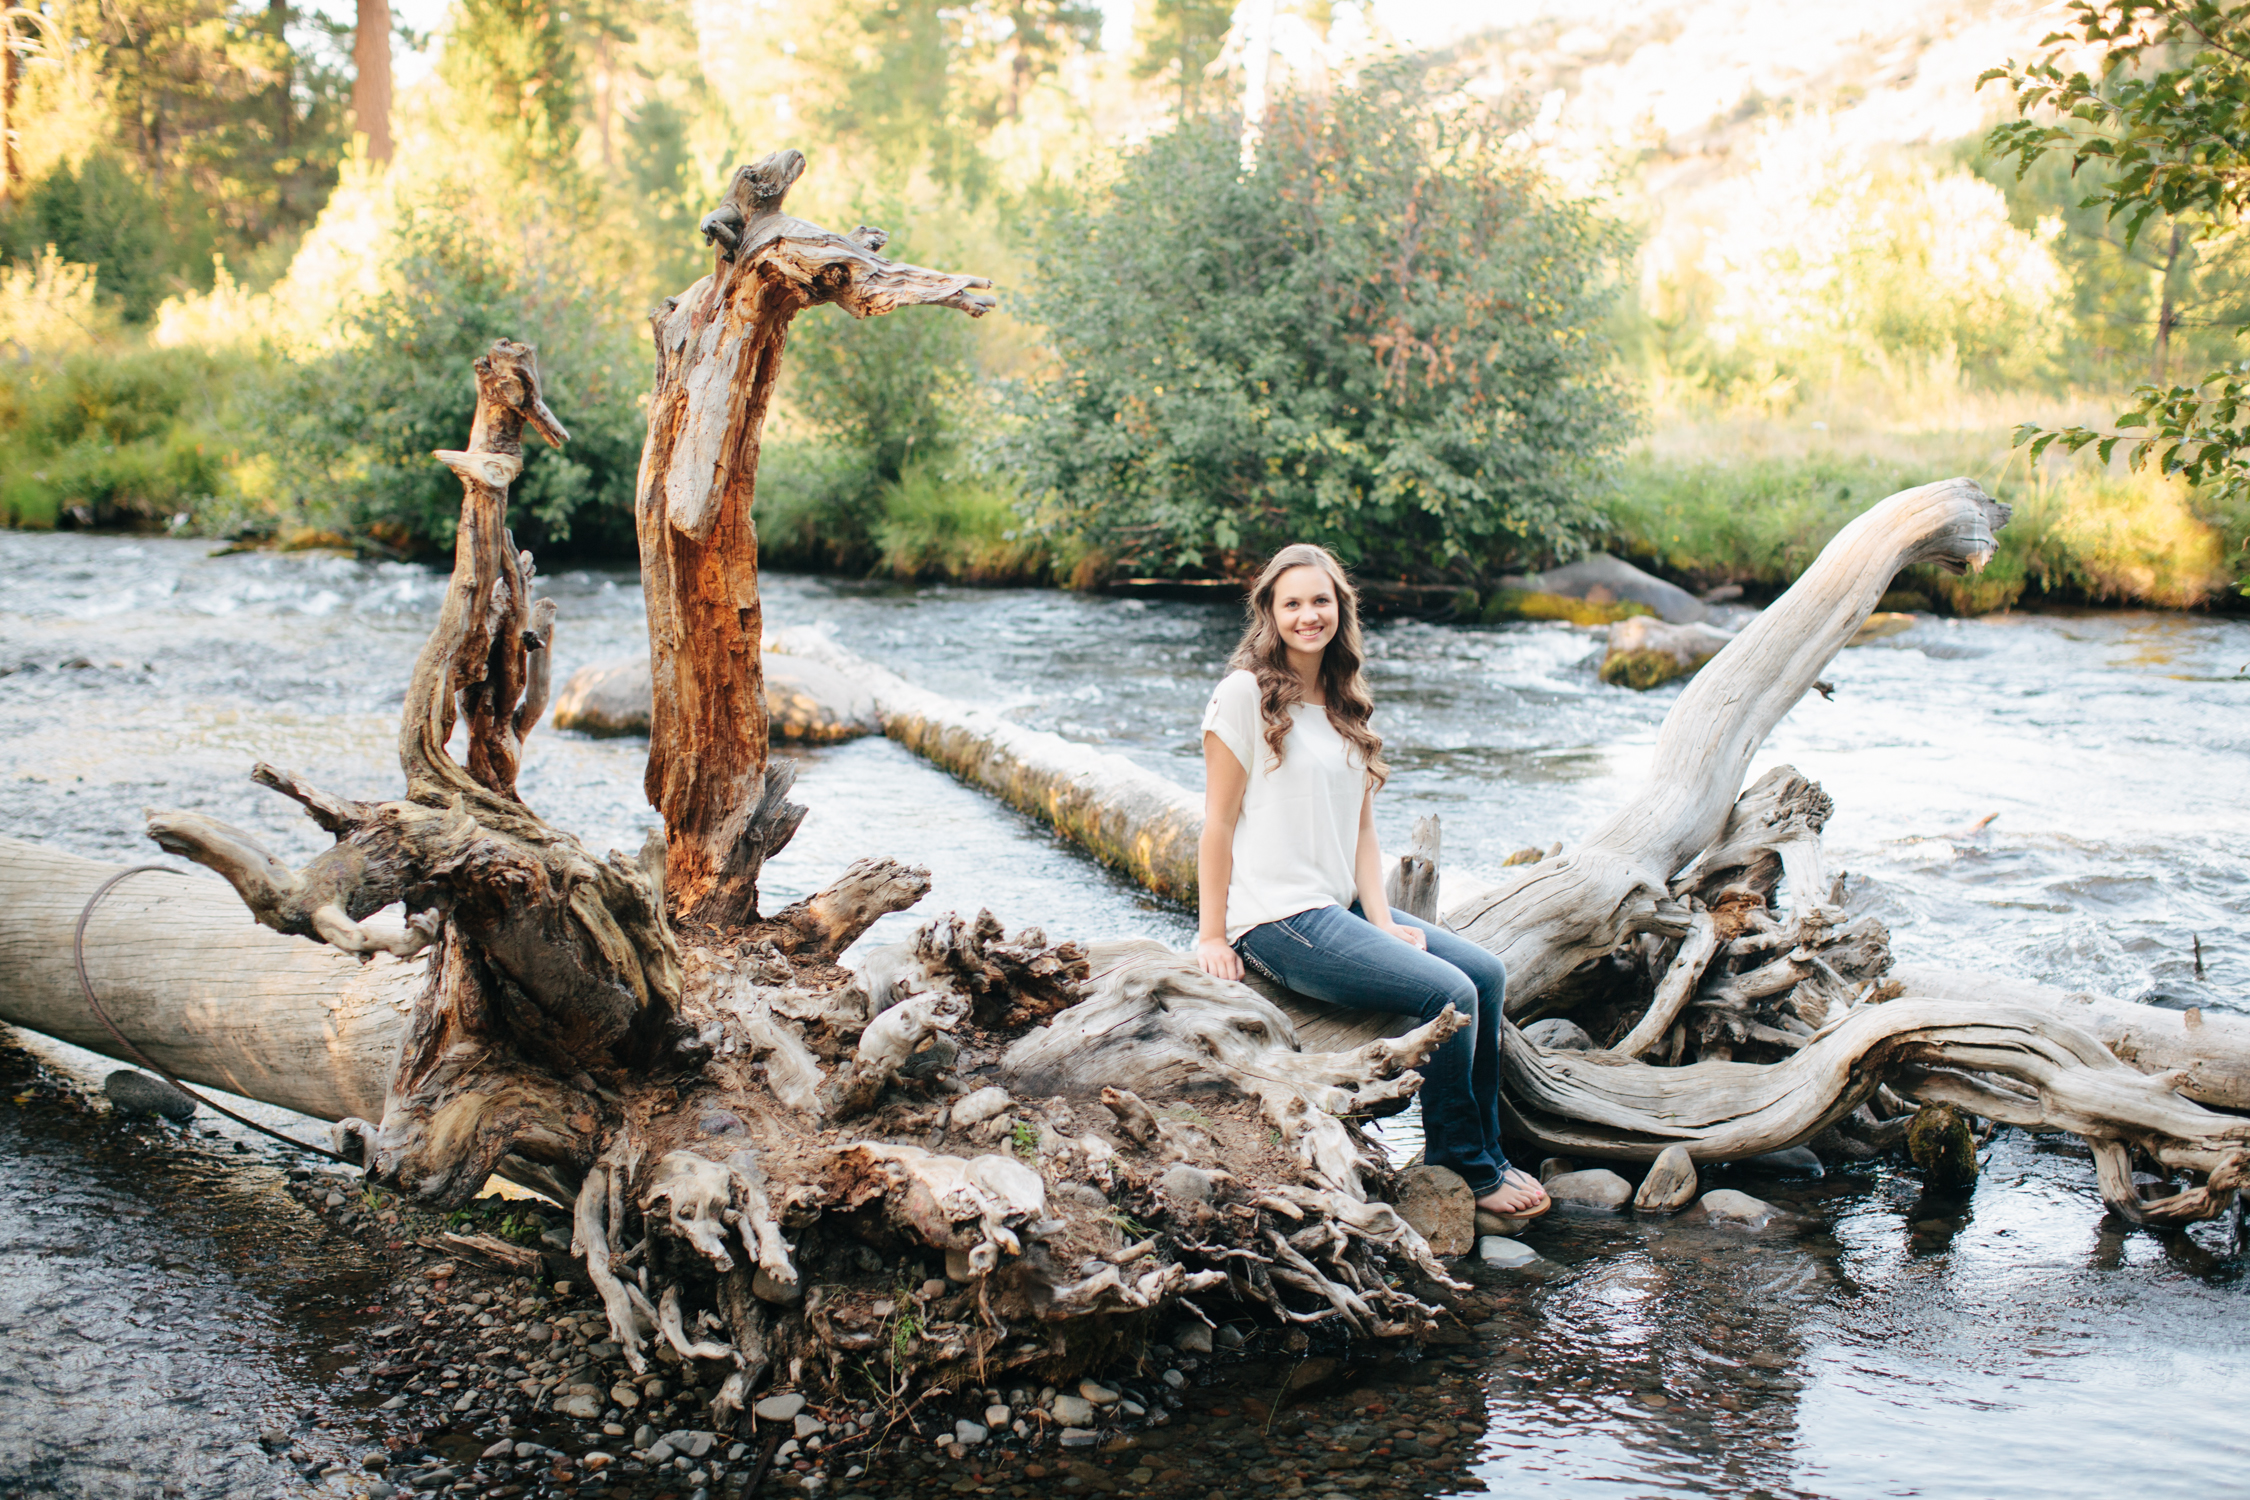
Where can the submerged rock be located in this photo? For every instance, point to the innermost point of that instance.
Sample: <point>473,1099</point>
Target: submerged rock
<point>1507,1254</point>
<point>1791,1159</point>
<point>1728,1206</point>
<point>1440,1207</point>
<point>1645,653</point>
<point>1943,1146</point>
<point>1599,578</point>
<point>1597,1187</point>
<point>138,1094</point>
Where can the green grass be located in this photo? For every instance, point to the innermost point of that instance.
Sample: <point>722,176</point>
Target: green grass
<point>1758,515</point>
<point>124,437</point>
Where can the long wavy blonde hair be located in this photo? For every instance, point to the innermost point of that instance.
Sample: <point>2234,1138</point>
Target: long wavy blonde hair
<point>1265,655</point>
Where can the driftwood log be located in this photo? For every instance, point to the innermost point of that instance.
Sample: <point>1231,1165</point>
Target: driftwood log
<point>1056,1144</point>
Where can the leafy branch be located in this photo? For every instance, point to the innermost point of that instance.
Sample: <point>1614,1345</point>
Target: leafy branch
<point>2168,116</point>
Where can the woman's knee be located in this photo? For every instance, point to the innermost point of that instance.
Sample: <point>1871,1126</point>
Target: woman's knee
<point>1457,990</point>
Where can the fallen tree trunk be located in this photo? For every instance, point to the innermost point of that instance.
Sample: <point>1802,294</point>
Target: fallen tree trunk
<point>1126,816</point>
<point>220,1001</point>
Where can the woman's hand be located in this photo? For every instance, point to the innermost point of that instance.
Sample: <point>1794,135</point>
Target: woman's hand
<point>1413,937</point>
<point>1219,960</point>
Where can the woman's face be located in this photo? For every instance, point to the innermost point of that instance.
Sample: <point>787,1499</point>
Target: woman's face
<point>1305,609</point>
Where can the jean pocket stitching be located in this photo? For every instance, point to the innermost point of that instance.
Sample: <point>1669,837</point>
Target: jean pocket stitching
<point>1251,959</point>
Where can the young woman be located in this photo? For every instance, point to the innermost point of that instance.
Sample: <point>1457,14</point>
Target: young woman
<point>1291,877</point>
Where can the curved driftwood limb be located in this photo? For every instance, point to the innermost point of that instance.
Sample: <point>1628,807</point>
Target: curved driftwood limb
<point>1678,985</point>
<point>475,664</point>
<point>2208,1052</point>
<point>1550,917</point>
<point>718,354</point>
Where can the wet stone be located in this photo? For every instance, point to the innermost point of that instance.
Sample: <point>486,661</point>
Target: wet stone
<point>1596,1188</point>
<point>1507,1254</point>
<point>1729,1206</point>
<point>1801,1160</point>
<point>139,1094</point>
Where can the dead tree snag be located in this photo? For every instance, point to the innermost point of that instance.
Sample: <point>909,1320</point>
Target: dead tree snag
<point>718,354</point>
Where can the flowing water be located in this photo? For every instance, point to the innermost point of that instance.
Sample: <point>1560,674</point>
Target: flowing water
<point>2052,796</point>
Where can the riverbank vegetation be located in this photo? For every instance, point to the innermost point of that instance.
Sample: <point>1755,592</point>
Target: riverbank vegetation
<point>1465,316</point>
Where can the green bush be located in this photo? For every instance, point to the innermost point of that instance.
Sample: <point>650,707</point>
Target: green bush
<point>1384,339</point>
<point>888,398</point>
<point>352,432</point>
<point>124,436</point>
<point>817,507</point>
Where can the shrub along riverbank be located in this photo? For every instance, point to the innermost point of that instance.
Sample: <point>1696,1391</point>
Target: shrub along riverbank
<point>136,438</point>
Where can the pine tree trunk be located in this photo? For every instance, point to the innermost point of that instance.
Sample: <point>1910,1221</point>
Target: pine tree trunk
<point>371,78</point>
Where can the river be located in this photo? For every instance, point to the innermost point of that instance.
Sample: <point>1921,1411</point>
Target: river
<point>2053,796</point>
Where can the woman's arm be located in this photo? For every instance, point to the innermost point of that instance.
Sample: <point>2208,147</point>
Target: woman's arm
<point>1367,877</point>
<point>1224,780</point>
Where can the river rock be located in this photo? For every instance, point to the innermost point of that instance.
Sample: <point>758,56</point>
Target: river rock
<point>1185,1184</point>
<point>780,1408</point>
<point>1558,1034</point>
<point>780,1293</point>
<point>1645,652</point>
<point>585,1406</point>
<point>1669,1185</point>
<point>1801,1159</point>
<point>138,1094</point>
<point>1490,1223</point>
<point>1599,578</point>
<point>1598,1187</point>
<point>968,1434</point>
<point>1072,1411</point>
<point>608,698</point>
<point>804,701</point>
<point>980,1106</point>
<point>1192,1338</point>
<point>1554,1166</point>
<point>1507,1254</point>
<point>1730,1207</point>
<point>1440,1207</point>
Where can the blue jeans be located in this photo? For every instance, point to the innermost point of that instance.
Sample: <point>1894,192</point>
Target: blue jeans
<point>1337,955</point>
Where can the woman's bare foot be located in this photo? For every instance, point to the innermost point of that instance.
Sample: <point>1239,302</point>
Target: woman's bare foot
<point>1519,1196</point>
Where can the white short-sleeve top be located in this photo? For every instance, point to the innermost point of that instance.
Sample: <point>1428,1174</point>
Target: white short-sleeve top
<point>1299,828</point>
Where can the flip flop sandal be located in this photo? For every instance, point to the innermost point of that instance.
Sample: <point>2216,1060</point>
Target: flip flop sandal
<point>1510,1177</point>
